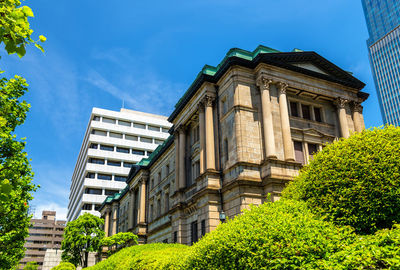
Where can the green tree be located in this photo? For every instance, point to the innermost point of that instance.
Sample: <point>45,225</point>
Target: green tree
<point>80,237</point>
<point>354,181</point>
<point>31,266</point>
<point>119,241</point>
<point>15,172</point>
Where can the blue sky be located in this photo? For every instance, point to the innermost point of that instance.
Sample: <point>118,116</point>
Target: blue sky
<point>148,53</point>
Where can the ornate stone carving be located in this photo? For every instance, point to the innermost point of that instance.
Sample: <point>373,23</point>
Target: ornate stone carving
<point>263,83</point>
<point>341,102</point>
<point>200,106</point>
<point>208,101</point>
<point>282,87</point>
<point>357,107</point>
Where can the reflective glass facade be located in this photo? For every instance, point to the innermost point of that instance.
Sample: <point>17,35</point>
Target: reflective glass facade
<point>383,22</point>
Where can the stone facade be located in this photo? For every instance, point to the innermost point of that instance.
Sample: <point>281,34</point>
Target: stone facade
<point>240,133</point>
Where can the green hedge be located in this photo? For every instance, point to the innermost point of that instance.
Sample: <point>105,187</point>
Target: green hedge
<point>149,256</point>
<point>281,235</point>
<point>64,266</point>
<point>355,181</point>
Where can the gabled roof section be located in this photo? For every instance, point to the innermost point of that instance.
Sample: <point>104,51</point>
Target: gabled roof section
<point>322,69</point>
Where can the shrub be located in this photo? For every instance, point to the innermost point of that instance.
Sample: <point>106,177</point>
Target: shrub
<point>149,256</point>
<point>280,235</point>
<point>354,181</point>
<point>31,266</point>
<point>64,266</point>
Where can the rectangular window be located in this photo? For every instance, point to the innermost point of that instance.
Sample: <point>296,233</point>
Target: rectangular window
<point>154,128</point>
<point>224,106</point>
<point>116,135</point>
<point>317,114</point>
<point>152,184</point>
<point>137,152</point>
<point>158,208</point>
<point>312,149</point>
<point>91,175</point>
<point>93,146</point>
<point>110,192</point>
<point>104,176</point>
<point>293,109</point>
<point>175,237</point>
<point>166,202</point>
<point>305,109</point>
<point>151,213</point>
<point>146,140</point>
<point>96,161</point>
<point>119,178</point>
<point>158,141</point>
<point>93,191</point>
<point>97,207</point>
<point>87,207</point>
<point>165,130</point>
<point>298,152</point>
<point>128,164</point>
<point>149,153</point>
<point>106,147</point>
<point>167,169</point>
<point>131,138</point>
<point>123,150</point>
<point>114,163</point>
<point>96,118</point>
<point>99,132</point>
<point>226,150</point>
<point>124,123</point>
<point>137,125</point>
<point>203,227</point>
<point>165,241</point>
<point>193,232</point>
<point>108,120</point>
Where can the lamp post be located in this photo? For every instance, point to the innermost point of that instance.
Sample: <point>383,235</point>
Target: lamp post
<point>222,216</point>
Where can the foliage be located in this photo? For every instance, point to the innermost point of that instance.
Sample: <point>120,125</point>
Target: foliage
<point>149,256</point>
<point>280,235</point>
<point>80,237</point>
<point>31,266</point>
<point>119,241</point>
<point>15,174</point>
<point>15,31</point>
<point>355,181</point>
<point>379,251</point>
<point>64,266</point>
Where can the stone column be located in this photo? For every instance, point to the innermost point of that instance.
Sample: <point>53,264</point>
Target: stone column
<point>142,192</point>
<point>107,222</point>
<point>210,149</point>
<point>286,135</point>
<point>357,111</point>
<point>344,127</point>
<point>176,140</point>
<point>131,209</point>
<point>268,128</point>
<point>114,220</point>
<point>182,150</point>
<point>202,136</point>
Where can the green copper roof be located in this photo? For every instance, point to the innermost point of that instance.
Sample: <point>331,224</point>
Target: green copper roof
<point>234,52</point>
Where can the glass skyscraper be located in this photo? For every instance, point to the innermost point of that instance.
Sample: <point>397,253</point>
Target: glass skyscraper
<point>383,22</point>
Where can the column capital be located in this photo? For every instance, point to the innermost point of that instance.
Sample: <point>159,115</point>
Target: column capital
<point>282,87</point>
<point>200,106</point>
<point>357,107</point>
<point>208,100</point>
<point>263,82</point>
<point>180,129</point>
<point>341,102</point>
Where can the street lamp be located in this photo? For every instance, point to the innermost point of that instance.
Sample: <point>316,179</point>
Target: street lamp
<point>222,216</point>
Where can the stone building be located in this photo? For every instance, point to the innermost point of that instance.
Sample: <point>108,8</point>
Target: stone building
<point>241,131</point>
<point>45,233</point>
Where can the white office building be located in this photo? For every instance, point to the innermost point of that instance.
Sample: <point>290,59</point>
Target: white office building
<point>113,142</point>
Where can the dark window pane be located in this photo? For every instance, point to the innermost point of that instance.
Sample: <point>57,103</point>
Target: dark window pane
<point>123,150</point>
<point>104,176</point>
<point>293,109</point>
<point>298,152</point>
<point>93,146</point>
<point>317,113</point>
<point>114,163</point>
<point>96,161</point>
<point>90,175</point>
<point>128,164</point>
<point>87,207</point>
<point>194,237</point>
<point>106,147</point>
<point>120,178</point>
<point>109,192</point>
<point>137,152</point>
<point>96,118</point>
<point>306,111</point>
<point>312,149</point>
<point>93,191</point>
<point>97,207</point>
<point>203,227</point>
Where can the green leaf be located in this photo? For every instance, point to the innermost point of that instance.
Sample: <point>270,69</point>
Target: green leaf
<point>39,47</point>
<point>42,38</point>
<point>21,51</point>
<point>28,11</point>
